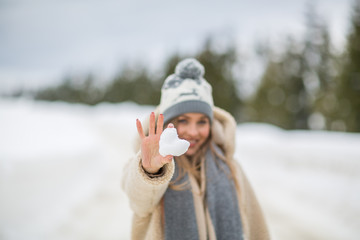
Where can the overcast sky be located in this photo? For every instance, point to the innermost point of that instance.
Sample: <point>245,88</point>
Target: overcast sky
<point>43,40</point>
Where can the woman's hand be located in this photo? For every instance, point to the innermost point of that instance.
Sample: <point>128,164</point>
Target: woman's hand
<point>152,161</point>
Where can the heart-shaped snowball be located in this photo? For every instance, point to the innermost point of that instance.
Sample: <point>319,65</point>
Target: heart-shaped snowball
<point>171,144</point>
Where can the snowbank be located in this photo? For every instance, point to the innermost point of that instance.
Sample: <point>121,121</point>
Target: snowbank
<point>60,170</point>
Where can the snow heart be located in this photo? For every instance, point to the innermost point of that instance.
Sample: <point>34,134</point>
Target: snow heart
<point>170,144</point>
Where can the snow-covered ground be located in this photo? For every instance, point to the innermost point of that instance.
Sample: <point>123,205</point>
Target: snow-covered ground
<point>61,164</point>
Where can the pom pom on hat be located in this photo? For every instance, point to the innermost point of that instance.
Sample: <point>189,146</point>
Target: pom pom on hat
<point>190,68</point>
<point>186,91</point>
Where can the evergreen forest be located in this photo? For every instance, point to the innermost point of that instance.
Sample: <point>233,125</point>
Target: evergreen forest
<point>303,85</point>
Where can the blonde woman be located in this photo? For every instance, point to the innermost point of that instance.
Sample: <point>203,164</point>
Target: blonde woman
<point>202,194</point>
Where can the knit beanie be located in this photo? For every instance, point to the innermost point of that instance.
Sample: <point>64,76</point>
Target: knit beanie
<point>186,91</point>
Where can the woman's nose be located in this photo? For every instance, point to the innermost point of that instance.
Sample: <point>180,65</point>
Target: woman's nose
<point>192,130</point>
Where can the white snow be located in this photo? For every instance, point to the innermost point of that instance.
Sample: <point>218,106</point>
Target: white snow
<point>61,165</point>
<point>171,144</point>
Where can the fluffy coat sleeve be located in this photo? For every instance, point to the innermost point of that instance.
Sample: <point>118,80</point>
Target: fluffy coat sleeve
<point>144,191</point>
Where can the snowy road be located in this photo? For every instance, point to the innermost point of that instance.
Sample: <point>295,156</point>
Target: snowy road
<point>60,170</point>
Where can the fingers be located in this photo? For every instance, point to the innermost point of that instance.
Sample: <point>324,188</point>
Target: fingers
<point>152,124</point>
<point>140,129</point>
<point>160,123</point>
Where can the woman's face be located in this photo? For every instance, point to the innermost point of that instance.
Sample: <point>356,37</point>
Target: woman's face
<point>195,128</point>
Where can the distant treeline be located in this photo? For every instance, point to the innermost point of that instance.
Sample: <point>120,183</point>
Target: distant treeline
<point>305,85</point>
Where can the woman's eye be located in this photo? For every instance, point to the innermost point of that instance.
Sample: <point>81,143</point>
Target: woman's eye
<point>202,122</point>
<point>182,121</point>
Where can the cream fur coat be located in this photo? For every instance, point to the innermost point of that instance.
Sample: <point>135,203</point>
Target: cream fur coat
<point>145,193</point>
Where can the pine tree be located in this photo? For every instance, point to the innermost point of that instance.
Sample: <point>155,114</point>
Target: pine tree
<point>319,69</point>
<point>219,73</point>
<point>281,97</point>
<point>348,87</point>
<point>301,77</point>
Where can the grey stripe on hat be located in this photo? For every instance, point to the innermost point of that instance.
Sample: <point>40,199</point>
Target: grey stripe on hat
<point>191,106</point>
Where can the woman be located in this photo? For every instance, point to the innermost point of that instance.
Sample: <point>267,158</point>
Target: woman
<point>202,194</point>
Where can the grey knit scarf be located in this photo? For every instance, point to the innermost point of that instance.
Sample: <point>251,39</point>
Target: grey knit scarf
<point>220,197</point>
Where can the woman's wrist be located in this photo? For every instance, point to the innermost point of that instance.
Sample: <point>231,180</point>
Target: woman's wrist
<point>151,170</point>
<point>154,172</point>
